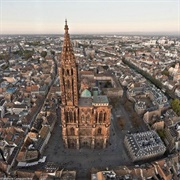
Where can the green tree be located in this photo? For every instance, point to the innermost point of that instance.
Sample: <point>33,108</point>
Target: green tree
<point>107,84</point>
<point>165,72</point>
<point>161,133</point>
<point>135,120</point>
<point>52,52</point>
<point>43,54</point>
<point>175,104</point>
<point>28,54</point>
<point>4,57</point>
<point>121,122</point>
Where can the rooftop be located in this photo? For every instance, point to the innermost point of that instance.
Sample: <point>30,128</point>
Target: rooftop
<point>85,101</point>
<point>100,100</point>
<point>145,143</point>
<point>11,90</point>
<point>86,93</point>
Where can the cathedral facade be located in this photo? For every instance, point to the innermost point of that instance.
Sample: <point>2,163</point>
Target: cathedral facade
<point>85,115</point>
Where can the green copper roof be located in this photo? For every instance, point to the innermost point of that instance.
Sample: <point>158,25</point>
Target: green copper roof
<point>86,93</point>
<point>101,99</point>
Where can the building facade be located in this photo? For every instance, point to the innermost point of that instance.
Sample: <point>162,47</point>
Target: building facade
<point>172,139</point>
<point>85,118</point>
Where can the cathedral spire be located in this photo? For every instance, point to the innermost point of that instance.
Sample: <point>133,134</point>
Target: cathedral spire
<point>67,55</point>
<point>68,72</point>
<point>66,26</point>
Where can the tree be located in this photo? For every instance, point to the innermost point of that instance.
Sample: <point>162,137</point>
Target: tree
<point>52,52</point>
<point>128,106</point>
<point>28,54</point>
<point>4,57</point>
<point>161,133</point>
<point>165,72</point>
<point>107,84</point>
<point>175,104</point>
<point>135,120</point>
<point>114,102</point>
<point>18,52</point>
<point>121,122</point>
<point>43,54</point>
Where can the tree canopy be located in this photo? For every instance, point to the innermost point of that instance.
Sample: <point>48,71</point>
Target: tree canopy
<point>43,54</point>
<point>175,104</point>
<point>165,72</point>
<point>28,54</point>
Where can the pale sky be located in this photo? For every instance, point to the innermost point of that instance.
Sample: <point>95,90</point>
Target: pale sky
<point>89,16</point>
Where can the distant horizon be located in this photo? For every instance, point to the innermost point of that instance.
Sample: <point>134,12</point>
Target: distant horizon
<point>103,33</point>
<point>90,16</point>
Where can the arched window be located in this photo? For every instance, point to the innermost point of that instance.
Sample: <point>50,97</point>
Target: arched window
<point>85,144</point>
<point>104,117</point>
<point>70,116</point>
<point>72,131</point>
<point>68,84</point>
<point>99,131</point>
<point>72,83</point>
<point>88,118</point>
<point>82,118</point>
<point>74,116</point>
<point>66,116</point>
<point>96,116</point>
<point>101,117</point>
<point>71,72</point>
<point>68,72</point>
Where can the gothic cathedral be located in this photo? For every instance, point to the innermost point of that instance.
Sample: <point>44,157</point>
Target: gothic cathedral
<point>85,116</point>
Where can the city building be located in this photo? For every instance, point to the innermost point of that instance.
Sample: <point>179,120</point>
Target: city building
<point>103,175</point>
<point>85,117</point>
<point>172,140</point>
<point>144,145</point>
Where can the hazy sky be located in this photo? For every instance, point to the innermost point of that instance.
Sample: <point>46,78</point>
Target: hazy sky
<point>89,16</point>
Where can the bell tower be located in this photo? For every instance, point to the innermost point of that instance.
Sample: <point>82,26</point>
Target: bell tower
<point>68,72</point>
<point>85,119</point>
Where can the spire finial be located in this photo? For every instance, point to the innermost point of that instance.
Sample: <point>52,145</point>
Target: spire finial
<point>66,26</point>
